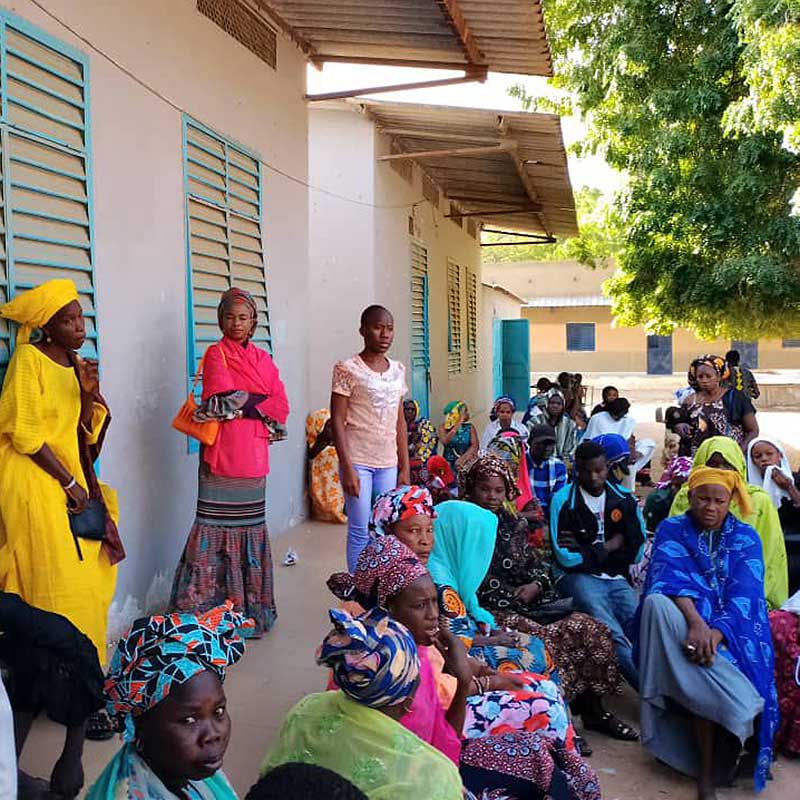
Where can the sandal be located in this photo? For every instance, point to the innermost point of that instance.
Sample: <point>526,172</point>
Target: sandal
<point>583,746</point>
<point>99,727</point>
<point>612,726</point>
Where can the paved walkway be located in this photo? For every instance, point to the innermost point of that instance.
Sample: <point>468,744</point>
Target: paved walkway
<point>278,670</point>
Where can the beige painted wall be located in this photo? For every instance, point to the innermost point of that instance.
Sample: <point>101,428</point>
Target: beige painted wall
<point>530,279</point>
<point>141,254</point>
<point>497,304</point>
<point>625,349</point>
<point>360,254</point>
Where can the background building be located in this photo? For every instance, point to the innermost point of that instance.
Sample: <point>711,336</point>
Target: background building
<point>572,329</point>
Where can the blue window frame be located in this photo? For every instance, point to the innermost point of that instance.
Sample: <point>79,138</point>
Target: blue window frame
<point>580,337</point>
<point>223,200</point>
<point>45,157</point>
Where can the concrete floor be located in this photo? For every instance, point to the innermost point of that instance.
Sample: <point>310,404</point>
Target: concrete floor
<point>278,670</point>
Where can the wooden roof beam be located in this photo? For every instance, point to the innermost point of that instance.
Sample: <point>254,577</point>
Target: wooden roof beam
<point>455,18</point>
<point>505,147</point>
<point>421,133</point>
<point>526,179</point>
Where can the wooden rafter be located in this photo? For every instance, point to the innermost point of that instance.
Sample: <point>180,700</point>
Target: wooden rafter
<point>268,11</point>
<point>527,182</point>
<point>455,18</point>
<point>504,147</point>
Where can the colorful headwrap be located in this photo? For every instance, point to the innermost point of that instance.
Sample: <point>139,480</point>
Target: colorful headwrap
<point>717,363</point>
<point>452,414</point>
<point>397,504</point>
<point>38,306</point>
<point>386,567</point>
<point>373,657</point>
<point>728,478</point>
<point>233,296</point>
<point>408,404</point>
<point>503,400</point>
<point>487,465</point>
<point>616,447</point>
<point>679,467</point>
<point>163,651</point>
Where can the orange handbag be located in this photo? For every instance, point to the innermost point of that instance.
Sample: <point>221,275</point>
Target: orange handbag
<point>205,432</point>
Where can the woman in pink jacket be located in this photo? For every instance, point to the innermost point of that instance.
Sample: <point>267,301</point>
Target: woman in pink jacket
<point>227,556</point>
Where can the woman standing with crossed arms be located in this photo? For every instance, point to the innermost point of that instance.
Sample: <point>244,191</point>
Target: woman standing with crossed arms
<point>369,427</point>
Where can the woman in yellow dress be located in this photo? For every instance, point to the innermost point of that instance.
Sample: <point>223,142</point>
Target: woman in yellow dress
<point>52,423</point>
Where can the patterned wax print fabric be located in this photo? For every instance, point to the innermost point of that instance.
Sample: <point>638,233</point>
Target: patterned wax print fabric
<point>528,655</point>
<point>422,441</point>
<point>373,403</point>
<point>398,504</point>
<point>726,581</point>
<point>786,639</point>
<point>373,657</point>
<point>162,651</point>
<point>127,777</point>
<point>324,486</point>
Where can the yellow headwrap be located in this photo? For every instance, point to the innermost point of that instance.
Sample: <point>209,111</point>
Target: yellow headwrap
<point>38,306</point>
<point>728,478</point>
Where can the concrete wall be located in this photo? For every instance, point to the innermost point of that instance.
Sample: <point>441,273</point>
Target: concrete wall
<point>530,279</point>
<point>497,303</point>
<point>625,349</point>
<point>140,248</point>
<point>365,252</point>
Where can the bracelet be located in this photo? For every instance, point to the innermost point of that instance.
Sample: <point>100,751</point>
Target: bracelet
<point>70,485</point>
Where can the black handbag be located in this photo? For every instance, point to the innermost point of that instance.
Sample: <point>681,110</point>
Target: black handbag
<point>89,524</point>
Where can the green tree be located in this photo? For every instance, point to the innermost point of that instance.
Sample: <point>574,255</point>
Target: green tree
<point>593,247</point>
<point>770,32</point>
<point>708,239</point>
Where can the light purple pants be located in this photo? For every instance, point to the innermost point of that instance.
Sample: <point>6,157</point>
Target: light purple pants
<point>373,482</point>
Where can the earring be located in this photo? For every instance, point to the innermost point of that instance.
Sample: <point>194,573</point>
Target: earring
<point>406,705</point>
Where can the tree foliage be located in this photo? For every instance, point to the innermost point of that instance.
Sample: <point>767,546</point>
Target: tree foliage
<point>593,247</point>
<point>770,32</point>
<point>709,241</point>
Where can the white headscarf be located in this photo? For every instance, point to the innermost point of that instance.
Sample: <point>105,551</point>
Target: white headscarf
<point>766,481</point>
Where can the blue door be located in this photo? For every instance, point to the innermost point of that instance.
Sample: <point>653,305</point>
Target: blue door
<point>659,355</point>
<point>748,352</point>
<point>497,357</point>
<point>420,339</point>
<point>517,360</point>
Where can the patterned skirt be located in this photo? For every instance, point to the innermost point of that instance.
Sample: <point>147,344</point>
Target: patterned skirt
<point>786,639</point>
<point>582,651</point>
<point>227,555</point>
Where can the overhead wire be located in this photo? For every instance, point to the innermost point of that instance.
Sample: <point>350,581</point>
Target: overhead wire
<point>156,93</point>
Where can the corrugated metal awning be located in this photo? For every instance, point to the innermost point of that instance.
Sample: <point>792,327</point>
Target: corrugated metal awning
<point>501,35</point>
<point>569,301</point>
<point>505,170</point>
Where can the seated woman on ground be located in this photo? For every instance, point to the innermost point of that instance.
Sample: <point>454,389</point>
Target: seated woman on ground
<point>324,484</point>
<point>440,480</point>
<point>422,440</point>
<point>703,645</point>
<point>501,420</point>
<point>519,591</point>
<point>53,669</point>
<point>555,414</point>
<point>609,395</point>
<point>457,435</point>
<point>390,575</point>
<point>356,731</point>
<point>769,468</point>
<point>723,453</point>
<point>407,513</point>
<point>164,688</point>
<point>511,449</point>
